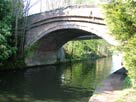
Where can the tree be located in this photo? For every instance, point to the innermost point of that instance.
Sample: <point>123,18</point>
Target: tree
<point>120,16</point>
<point>10,13</point>
<point>86,49</point>
<point>6,45</point>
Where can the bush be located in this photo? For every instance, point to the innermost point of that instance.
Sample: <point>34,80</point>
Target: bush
<point>120,16</point>
<point>6,19</point>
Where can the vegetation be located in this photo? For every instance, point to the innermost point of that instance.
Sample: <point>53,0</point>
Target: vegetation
<point>121,19</point>
<point>126,95</point>
<point>87,49</point>
<point>6,42</point>
<point>11,12</point>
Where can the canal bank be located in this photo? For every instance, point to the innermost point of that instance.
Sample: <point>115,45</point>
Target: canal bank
<point>111,88</point>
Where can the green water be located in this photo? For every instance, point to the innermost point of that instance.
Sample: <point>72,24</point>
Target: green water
<point>73,82</point>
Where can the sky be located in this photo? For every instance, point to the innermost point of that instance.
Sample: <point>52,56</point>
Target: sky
<point>42,5</point>
<point>35,6</point>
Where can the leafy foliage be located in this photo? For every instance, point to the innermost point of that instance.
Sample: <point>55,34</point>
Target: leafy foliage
<point>6,49</point>
<point>87,49</point>
<point>130,56</point>
<point>121,19</point>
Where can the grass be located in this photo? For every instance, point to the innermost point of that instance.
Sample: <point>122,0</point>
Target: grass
<point>127,95</point>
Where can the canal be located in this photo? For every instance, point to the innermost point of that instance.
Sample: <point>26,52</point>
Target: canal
<point>71,82</point>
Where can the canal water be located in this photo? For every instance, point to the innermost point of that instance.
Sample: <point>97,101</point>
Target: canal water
<point>71,82</point>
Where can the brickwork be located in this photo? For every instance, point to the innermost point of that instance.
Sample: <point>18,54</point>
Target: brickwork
<point>52,29</point>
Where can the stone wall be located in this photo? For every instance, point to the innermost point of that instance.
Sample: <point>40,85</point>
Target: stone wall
<point>39,57</point>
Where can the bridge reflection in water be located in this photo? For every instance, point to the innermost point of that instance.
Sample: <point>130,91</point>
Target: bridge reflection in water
<point>66,82</point>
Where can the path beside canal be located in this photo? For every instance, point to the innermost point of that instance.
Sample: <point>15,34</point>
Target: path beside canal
<point>110,89</point>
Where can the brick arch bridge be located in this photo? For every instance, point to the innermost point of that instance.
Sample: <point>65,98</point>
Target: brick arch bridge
<point>47,32</point>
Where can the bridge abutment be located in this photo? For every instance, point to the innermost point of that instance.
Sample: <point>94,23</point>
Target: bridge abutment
<point>39,57</point>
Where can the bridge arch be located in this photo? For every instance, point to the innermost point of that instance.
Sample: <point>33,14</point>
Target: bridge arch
<point>96,31</point>
<point>50,33</point>
<point>76,30</point>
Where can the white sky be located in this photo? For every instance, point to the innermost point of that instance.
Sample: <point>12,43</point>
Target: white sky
<point>36,6</point>
<point>41,5</point>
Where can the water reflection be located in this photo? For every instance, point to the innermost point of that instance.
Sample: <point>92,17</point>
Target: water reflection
<point>66,82</point>
<point>117,59</point>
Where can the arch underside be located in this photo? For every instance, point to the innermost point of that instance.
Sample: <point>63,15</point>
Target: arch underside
<point>95,30</point>
<point>57,39</point>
